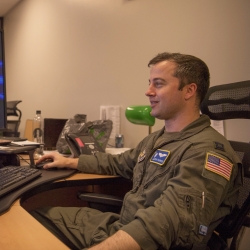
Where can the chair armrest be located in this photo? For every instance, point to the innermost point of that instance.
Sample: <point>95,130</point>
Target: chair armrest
<point>102,202</point>
<point>101,198</point>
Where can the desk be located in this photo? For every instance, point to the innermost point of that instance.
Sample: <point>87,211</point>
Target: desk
<point>19,230</point>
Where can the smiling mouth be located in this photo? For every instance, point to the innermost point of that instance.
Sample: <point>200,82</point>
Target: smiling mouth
<point>153,103</point>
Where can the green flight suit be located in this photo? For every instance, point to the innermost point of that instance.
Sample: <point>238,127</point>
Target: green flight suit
<point>184,184</point>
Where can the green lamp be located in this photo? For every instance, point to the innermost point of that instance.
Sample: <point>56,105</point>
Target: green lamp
<point>140,115</point>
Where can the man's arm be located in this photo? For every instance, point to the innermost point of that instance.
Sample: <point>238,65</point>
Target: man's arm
<point>119,241</point>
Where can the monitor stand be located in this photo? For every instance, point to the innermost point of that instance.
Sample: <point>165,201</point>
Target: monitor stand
<point>9,156</point>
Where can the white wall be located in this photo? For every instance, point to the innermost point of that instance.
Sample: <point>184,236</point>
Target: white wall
<point>69,56</point>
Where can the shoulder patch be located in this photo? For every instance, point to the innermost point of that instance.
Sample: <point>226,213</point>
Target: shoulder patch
<point>219,146</point>
<point>160,156</point>
<point>218,165</point>
<point>141,156</point>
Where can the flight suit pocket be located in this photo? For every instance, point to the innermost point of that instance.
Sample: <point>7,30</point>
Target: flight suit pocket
<point>197,211</point>
<point>98,237</point>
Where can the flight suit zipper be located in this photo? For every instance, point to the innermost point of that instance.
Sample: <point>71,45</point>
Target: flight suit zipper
<point>155,177</point>
<point>188,202</point>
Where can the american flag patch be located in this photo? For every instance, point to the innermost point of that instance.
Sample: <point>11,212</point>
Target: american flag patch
<point>218,165</point>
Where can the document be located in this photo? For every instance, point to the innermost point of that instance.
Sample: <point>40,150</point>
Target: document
<point>24,143</point>
<point>218,125</point>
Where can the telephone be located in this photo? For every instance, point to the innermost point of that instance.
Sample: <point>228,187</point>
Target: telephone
<point>82,144</point>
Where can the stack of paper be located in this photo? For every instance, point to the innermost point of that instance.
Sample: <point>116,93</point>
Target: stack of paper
<point>24,143</point>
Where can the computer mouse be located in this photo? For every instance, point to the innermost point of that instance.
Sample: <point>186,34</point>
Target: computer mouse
<point>42,163</point>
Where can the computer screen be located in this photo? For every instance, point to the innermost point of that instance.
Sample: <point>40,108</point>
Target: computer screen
<point>52,130</point>
<point>2,86</point>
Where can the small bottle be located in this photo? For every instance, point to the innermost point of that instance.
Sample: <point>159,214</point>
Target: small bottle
<point>37,129</point>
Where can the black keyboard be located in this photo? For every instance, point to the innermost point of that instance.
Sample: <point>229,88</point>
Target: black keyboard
<point>12,177</point>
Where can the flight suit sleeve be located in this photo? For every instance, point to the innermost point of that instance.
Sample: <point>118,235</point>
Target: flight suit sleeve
<point>193,198</point>
<point>107,164</point>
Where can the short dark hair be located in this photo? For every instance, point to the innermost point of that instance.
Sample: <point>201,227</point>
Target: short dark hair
<point>190,69</point>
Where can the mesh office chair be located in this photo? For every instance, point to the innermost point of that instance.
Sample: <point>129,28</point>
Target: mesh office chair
<point>13,124</point>
<point>223,102</point>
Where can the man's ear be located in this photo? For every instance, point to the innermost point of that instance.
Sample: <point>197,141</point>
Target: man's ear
<point>191,90</point>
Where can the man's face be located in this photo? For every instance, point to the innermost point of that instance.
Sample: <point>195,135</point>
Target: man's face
<point>166,100</point>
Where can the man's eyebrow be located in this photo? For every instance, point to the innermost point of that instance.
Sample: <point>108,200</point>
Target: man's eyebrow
<point>157,79</point>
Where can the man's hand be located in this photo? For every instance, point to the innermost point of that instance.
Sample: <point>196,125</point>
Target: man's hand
<point>119,241</point>
<point>59,161</point>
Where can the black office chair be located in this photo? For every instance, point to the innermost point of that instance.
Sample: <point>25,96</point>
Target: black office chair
<point>223,102</point>
<point>229,101</point>
<point>13,124</point>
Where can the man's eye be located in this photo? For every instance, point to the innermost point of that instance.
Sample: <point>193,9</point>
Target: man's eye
<point>158,84</point>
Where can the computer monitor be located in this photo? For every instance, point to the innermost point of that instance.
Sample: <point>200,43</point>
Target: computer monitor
<point>3,116</point>
<point>52,130</point>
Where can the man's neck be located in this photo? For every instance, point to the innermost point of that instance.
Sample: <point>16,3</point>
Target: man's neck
<point>180,122</point>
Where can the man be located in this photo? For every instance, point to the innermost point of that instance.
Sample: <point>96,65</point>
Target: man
<point>185,176</point>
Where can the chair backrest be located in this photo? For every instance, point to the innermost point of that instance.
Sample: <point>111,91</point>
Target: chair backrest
<point>13,124</point>
<point>12,109</point>
<point>228,101</point>
<point>232,101</point>
<point>12,127</point>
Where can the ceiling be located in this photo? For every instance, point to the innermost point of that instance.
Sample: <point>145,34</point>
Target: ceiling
<point>6,5</point>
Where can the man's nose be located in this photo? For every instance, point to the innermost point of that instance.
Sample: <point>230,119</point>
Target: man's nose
<point>149,91</point>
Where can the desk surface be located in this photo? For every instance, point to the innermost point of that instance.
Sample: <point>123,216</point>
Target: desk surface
<point>19,230</point>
